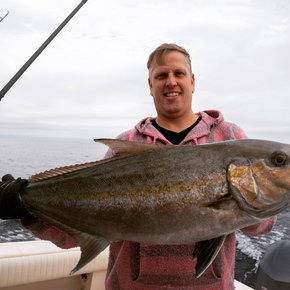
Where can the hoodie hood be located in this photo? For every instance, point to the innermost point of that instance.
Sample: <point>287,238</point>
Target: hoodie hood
<point>209,119</point>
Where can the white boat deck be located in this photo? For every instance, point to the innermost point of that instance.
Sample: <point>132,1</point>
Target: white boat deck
<point>42,265</point>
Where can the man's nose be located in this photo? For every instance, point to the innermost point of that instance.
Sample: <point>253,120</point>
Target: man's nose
<point>170,81</point>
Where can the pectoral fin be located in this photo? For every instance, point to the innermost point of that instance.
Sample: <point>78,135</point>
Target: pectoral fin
<point>205,252</point>
<point>219,203</point>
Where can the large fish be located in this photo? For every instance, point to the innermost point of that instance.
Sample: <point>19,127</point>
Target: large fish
<point>164,195</point>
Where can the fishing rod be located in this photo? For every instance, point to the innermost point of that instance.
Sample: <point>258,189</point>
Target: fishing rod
<point>2,18</point>
<point>38,52</point>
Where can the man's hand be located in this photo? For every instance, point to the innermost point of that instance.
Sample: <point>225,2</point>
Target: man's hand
<point>11,207</point>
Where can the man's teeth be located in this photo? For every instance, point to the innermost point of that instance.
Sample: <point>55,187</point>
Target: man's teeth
<point>172,95</point>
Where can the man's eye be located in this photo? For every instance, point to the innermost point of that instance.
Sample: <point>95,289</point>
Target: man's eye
<point>161,76</point>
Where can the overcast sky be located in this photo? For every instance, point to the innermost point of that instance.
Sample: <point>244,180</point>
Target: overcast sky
<point>91,81</point>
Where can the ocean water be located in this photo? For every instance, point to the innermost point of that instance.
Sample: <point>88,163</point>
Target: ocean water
<point>25,157</point>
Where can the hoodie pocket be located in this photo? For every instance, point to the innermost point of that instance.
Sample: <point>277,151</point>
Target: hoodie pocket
<point>171,267</point>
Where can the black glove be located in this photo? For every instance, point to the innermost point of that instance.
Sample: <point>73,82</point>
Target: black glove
<point>11,207</point>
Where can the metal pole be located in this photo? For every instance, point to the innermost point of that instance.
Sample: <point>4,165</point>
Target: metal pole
<point>38,52</point>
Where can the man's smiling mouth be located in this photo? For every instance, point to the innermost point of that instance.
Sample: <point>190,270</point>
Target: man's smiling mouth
<point>171,95</point>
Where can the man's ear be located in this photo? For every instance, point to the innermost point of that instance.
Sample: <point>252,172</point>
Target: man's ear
<point>150,86</point>
<point>193,83</point>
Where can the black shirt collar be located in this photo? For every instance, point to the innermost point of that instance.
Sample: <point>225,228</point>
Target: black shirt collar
<point>173,137</point>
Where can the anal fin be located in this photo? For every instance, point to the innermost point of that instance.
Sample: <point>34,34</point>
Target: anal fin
<point>91,246</point>
<point>205,252</point>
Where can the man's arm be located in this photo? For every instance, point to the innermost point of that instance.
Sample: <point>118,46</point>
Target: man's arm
<point>262,228</point>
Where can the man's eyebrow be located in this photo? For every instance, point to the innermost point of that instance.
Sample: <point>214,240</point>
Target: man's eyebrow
<point>161,71</point>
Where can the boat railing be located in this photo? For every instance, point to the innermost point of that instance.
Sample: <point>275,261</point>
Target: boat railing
<point>42,265</point>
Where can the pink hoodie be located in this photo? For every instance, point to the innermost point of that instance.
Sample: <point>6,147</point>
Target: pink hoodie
<point>143,266</point>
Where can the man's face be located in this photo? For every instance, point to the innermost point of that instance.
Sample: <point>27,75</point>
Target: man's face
<point>171,85</point>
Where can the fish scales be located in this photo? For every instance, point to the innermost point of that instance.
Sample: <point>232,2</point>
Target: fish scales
<point>157,186</point>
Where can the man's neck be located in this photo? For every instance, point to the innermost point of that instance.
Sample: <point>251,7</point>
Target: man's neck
<point>176,124</point>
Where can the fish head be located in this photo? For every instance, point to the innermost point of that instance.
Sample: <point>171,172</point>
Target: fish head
<point>261,184</point>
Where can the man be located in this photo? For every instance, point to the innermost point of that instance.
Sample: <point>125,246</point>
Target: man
<point>143,266</point>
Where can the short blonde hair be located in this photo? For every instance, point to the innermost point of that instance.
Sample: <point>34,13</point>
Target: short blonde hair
<point>163,49</point>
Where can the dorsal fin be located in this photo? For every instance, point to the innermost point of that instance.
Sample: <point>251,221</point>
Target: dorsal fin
<point>122,148</point>
<point>60,171</point>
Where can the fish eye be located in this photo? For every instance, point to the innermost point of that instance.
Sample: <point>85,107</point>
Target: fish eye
<point>278,159</point>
